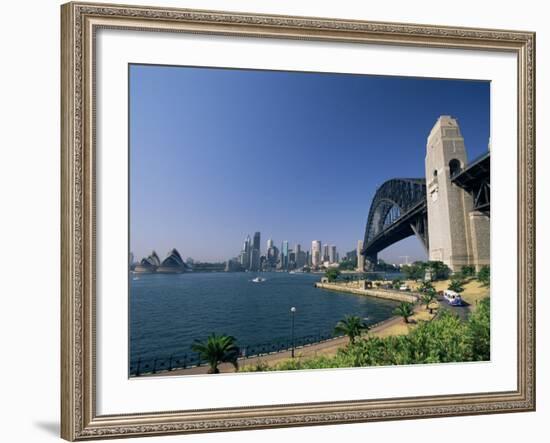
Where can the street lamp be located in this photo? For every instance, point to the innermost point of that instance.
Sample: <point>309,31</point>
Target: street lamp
<point>292,312</point>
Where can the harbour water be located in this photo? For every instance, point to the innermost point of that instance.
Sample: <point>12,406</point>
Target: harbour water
<point>168,312</point>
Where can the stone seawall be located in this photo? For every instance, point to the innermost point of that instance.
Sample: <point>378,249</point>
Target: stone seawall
<point>378,293</point>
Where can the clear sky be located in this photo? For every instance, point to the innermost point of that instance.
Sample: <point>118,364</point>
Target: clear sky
<point>216,154</point>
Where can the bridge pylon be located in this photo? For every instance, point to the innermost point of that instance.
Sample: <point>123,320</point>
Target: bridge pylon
<point>458,235</point>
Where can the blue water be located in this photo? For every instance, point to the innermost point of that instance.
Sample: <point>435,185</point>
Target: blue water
<point>168,312</point>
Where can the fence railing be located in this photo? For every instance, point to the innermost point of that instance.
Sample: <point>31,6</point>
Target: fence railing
<point>190,359</point>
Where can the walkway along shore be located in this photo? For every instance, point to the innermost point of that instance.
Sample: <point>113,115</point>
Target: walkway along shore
<point>386,294</point>
<point>391,326</point>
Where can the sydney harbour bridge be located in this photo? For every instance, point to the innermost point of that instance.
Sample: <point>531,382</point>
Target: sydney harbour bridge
<point>402,207</point>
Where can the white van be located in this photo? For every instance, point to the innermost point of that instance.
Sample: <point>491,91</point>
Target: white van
<point>452,297</point>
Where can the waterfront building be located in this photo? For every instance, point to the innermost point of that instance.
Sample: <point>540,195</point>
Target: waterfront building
<point>172,264</point>
<point>360,256</point>
<point>269,244</point>
<point>308,258</point>
<point>149,264</point>
<point>316,257</point>
<point>332,254</point>
<point>233,265</point>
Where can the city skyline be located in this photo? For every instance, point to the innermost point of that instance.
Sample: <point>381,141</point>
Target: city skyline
<point>217,154</point>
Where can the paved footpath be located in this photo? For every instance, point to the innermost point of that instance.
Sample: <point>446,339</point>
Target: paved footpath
<point>328,348</point>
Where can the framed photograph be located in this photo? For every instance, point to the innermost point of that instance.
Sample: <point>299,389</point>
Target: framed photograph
<point>277,221</point>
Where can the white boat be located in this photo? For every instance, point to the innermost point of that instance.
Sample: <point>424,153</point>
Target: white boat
<point>453,298</point>
<point>258,280</point>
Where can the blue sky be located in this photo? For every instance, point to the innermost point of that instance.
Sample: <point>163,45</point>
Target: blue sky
<point>216,154</point>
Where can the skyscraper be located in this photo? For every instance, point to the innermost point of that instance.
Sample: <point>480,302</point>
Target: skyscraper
<point>326,255</point>
<point>316,252</point>
<point>245,253</point>
<point>255,260</point>
<point>360,257</point>
<point>284,254</point>
<point>300,256</point>
<point>332,254</point>
<point>255,253</point>
<point>269,244</point>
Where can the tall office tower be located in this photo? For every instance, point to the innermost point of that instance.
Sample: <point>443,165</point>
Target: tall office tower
<point>316,253</point>
<point>255,260</point>
<point>245,253</point>
<point>360,257</point>
<point>459,235</point>
<point>291,259</point>
<point>256,244</point>
<point>332,254</point>
<point>300,256</point>
<point>272,256</point>
<point>255,253</point>
<point>269,244</point>
<point>284,254</point>
<point>308,258</point>
<point>326,255</point>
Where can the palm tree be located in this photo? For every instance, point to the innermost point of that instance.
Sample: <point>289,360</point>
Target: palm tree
<point>426,286</point>
<point>427,298</point>
<point>352,326</point>
<point>404,310</point>
<point>217,349</point>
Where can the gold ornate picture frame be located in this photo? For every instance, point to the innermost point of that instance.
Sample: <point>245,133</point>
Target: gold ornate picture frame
<point>80,22</point>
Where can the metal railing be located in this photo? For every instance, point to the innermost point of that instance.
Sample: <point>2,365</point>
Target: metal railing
<point>190,359</point>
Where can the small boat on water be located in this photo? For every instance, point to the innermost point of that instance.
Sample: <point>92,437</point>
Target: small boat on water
<point>258,280</point>
<point>453,298</point>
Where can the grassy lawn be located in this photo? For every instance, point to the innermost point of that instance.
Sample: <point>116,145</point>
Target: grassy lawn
<point>474,291</point>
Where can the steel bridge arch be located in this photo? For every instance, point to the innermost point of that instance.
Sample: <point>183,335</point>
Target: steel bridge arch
<point>404,193</point>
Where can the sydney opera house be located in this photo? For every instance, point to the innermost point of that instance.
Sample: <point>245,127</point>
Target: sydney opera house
<point>172,264</point>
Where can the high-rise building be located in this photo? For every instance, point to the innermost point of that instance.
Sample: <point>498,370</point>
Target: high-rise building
<point>272,256</point>
<point>316,257</point>
<point>332,254</point>
<point>256,244</point>
<point>255,253</point>
<point>326,255</point>
<point>245,253</point>
<point>300,256</point>
<point>255,260</point>
<point>284,254</point>
<point>360,257</point>
<point>269,244</point>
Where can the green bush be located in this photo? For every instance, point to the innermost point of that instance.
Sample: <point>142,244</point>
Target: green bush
<point>444,340</point>
<point>484,275</point>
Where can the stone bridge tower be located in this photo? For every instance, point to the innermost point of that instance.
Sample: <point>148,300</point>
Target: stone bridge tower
<point>458,235</point>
